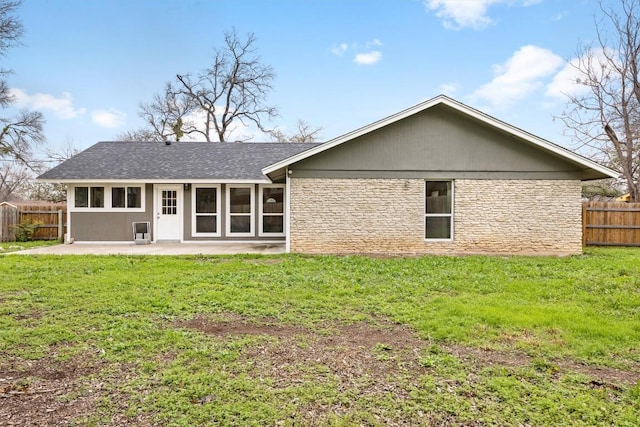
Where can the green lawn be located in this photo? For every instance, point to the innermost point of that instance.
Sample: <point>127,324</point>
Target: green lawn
<point>301,340</point>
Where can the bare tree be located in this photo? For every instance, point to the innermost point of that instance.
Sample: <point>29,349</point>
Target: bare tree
<point>21,133</point>
<point>304,133</point>
<point>50,191</point>
<point>604,117</point>
<point>167,114</point>
<point>11,31</point>
<point>233,89</point>
<point>166,117</point>
<point>139,135</point>
<point>13,180</point>
<point>66,151</point>
<point>53,192</point>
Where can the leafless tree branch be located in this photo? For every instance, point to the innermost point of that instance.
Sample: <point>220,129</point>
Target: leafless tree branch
<point>304,133</point>
<point>234,88</point>
<point>604,119</point>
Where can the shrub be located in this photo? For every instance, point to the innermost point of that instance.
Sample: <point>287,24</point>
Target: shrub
<point>25,230</point>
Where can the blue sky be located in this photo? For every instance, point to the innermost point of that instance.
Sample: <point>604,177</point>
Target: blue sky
<point>340,64</point>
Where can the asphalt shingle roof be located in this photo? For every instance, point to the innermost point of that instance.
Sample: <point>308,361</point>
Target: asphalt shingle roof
<point>180,161</point>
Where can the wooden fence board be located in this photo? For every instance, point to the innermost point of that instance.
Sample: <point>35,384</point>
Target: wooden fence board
<point>611,224</point>
<point>48,216</point>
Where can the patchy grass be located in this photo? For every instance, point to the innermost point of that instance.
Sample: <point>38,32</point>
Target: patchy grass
<point>7,247</point>
<point>290,340</point>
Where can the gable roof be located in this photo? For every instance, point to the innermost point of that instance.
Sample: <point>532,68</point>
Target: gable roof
<point>117,160</point>
<point>593,170</point>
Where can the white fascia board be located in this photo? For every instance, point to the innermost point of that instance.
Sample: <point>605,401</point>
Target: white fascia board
<point>441,99</point>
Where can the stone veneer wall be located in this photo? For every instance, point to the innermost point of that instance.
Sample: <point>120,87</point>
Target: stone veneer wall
<point>531,217</point>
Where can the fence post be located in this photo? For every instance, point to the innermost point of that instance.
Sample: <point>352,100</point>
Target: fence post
<point>9,217</point>
<point>60,225</point>
<point>584,224</point>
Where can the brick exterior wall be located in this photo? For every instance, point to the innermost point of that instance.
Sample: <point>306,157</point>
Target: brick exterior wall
<point>529,217</point>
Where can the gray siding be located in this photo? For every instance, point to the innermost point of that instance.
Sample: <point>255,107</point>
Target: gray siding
<point>110,226</point>
<point>438,142</point>
<point>117,226</point>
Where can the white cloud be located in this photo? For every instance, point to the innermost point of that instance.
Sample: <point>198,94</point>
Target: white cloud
<point>468,13</point>
<point>565,82</point>
<point>368,58</point>
<point>449,88</point>
<point>568,80</point>
<point>61,106</point>
<point>522,74</point>
<point>363,58</point>
<point>340,49</point>
<point>560,16</point>
<point>108,118</point>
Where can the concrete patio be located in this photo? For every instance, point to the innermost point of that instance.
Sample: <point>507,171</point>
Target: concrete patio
<point>158,249</point>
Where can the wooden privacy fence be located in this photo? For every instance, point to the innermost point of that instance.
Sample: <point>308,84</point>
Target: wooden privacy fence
<point>610,224</point>
<point>51,220</point>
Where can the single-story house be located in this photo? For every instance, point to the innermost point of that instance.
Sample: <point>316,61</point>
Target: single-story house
<point>439,177</point>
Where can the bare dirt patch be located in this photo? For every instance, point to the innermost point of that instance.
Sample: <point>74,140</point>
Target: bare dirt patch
<point>373,351</point>
<point>237,325</point>
<point>364,359</point>
<point>45,392</point>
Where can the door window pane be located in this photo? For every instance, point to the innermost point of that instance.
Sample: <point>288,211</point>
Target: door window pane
<point>169,202</point>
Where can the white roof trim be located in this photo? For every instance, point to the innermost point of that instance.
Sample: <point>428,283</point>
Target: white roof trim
<point>441,99</point>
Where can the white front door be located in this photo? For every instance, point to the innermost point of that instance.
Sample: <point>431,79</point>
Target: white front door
<point>168,207</point>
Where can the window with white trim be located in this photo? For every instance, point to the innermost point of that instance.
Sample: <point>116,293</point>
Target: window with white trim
<point>85,197</point>
<point>240,210</point>
<point>205,200</point>
<point>438,210</point>
<point>271,199</point>
<point>105,197</point>
<point>126,197</point>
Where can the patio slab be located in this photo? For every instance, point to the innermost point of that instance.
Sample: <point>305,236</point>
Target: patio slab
<point>158,249</point>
